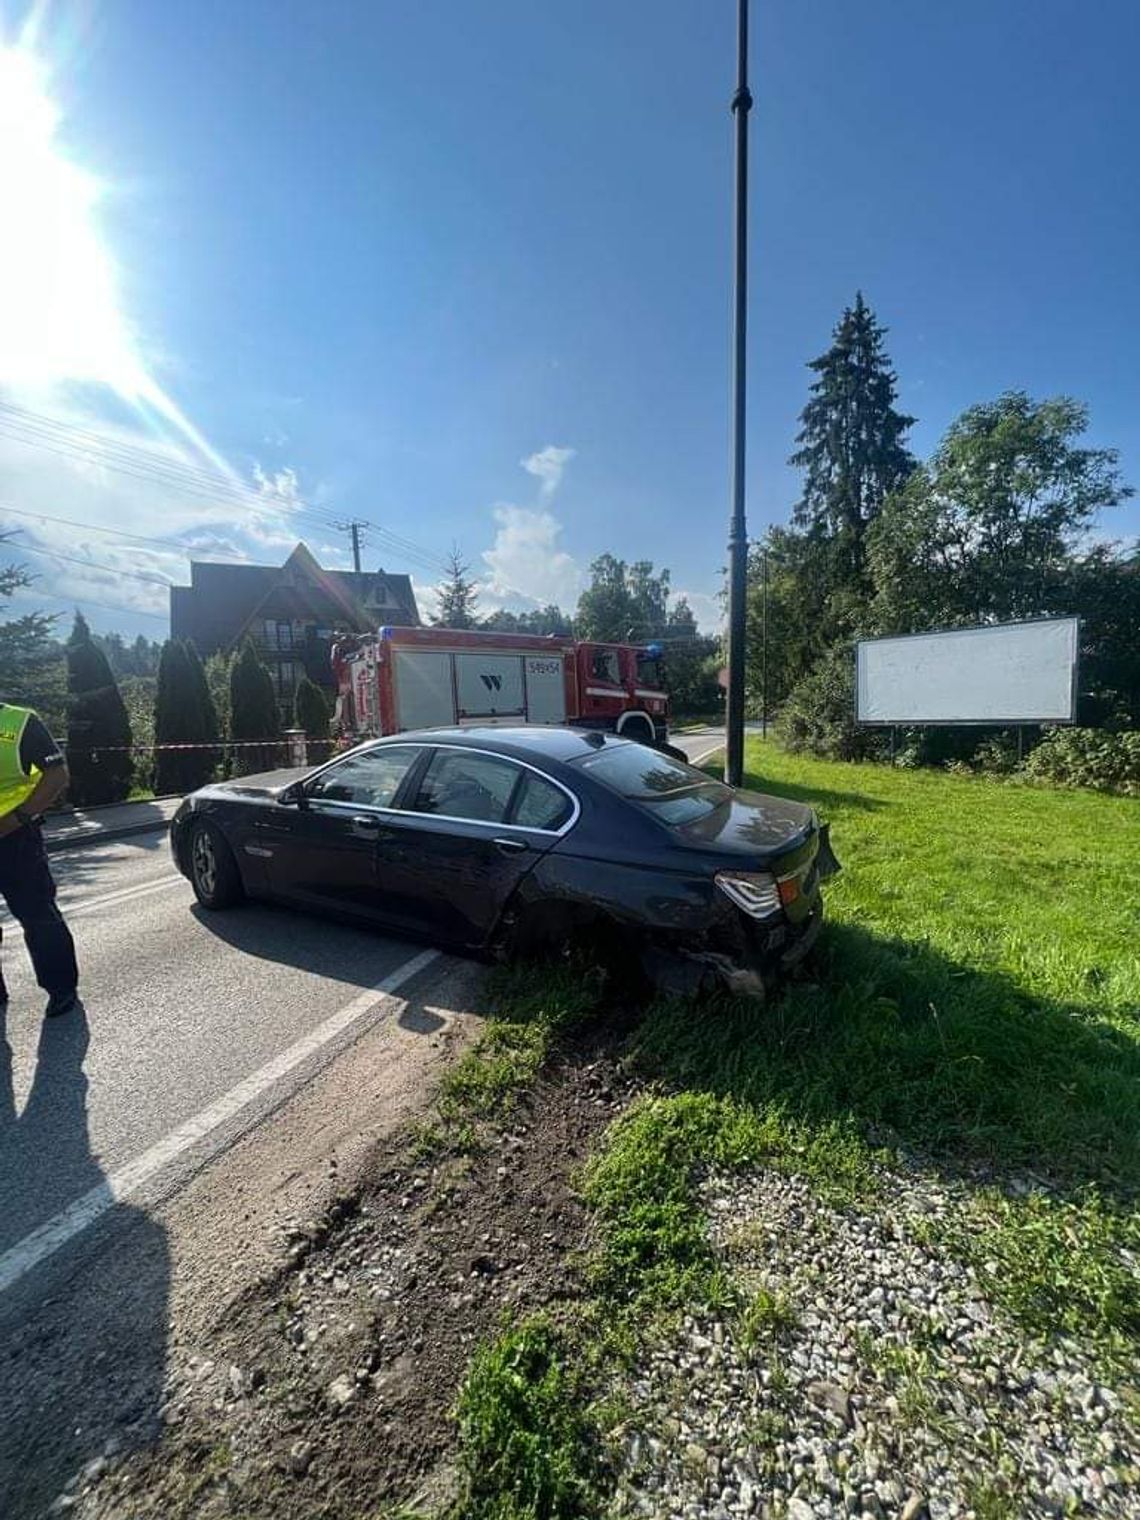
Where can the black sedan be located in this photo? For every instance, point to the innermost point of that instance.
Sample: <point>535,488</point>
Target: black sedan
<point>519,840</point>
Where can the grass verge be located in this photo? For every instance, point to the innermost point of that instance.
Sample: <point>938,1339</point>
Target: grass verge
<point>976,1003</point>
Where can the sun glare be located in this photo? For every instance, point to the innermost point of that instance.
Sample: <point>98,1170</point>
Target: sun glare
<point>60,318</point>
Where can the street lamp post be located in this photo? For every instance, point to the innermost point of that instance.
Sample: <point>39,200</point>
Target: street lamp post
<point>738,531</point>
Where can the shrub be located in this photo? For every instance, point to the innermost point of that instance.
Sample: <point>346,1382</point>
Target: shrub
<point>310,710</point>
<point>183,715</point>
<point>253,714</point>
<point>99,752</point>
<point>1090,757</point>
<point>819,714</point>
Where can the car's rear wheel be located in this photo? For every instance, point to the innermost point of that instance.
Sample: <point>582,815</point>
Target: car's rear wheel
<point>213,870</point>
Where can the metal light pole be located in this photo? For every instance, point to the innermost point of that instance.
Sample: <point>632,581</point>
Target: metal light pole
<point>738,532</point>
<point>764,651</point>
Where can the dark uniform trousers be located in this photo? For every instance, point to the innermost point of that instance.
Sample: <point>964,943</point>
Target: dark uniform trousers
<point>27,887</point>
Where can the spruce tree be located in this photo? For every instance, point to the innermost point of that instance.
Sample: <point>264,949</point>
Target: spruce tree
<point>98,729</point>
<point>850,446</point>
<point>253,714</point>
<point>457,595</point>
<point>310,710</point>
<point>181,718</point>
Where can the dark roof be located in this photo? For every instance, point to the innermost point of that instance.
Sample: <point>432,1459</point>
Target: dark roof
<point>222,599</point>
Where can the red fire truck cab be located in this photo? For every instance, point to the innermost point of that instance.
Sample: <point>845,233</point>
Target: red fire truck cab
<point>409,678</point>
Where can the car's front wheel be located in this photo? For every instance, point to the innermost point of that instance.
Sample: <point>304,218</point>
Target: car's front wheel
<point>214,874</point>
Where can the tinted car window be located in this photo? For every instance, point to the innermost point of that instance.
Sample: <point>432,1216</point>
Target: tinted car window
<point>371,779</point>
<point>461,785</point>
<point>540,804</point>
<point>665,788</point>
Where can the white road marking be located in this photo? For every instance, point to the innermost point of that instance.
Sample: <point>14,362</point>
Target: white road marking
<point>56,1232</point>
<point>706,754</point>
<point>13,930</point>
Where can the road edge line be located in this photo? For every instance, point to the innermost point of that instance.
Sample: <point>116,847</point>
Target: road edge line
<point>48,1237</point>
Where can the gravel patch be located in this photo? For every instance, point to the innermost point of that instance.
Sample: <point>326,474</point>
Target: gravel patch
<point>871,1378</point>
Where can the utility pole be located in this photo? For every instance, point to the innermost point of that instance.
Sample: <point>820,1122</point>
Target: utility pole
<point>353,528</point>
<point>738,531</point>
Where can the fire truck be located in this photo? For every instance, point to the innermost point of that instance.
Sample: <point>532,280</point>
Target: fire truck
<point>400,679</point>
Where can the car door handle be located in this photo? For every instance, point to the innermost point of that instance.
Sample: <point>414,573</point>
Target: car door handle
<point>365,823</point>
<point>510,846</point>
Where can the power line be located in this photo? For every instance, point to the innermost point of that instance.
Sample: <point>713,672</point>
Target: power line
<point>90,564</point>
<point>70,439</point>
<point>71,522</point>
<point>90,601</point>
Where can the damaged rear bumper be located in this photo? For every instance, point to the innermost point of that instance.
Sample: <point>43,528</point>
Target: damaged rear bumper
<point>680,972</point>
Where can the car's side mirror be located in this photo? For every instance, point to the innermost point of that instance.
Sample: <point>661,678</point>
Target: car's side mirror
<point>293,795</point>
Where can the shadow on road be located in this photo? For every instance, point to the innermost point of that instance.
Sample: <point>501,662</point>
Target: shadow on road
<point>89,862</point>
<point>324,946</point>
<point>83,1347</point>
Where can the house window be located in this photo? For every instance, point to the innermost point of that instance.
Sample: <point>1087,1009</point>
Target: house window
<point>286,674</point>
<point>277,634</point>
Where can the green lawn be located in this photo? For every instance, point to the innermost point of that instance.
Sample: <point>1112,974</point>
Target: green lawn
<point>975,1004</point>
<point>974,1009</point>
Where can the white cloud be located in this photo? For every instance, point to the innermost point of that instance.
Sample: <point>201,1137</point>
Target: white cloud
<point>548,465</point>
<point>525,563</point>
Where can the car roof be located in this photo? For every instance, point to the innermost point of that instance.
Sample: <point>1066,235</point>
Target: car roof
<point>548,742</point>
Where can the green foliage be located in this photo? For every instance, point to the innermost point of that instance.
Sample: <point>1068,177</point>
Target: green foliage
<point>139,658</point>
<point>654,1250</point>
<point>1023,1252</point>
<point>974,1002</point>
<point>529,1006</point>
<point>310,710</point>
<point>183,714</point>
<point>527,1446</point>
<point>218,681</point>
<point>458,596</point>
<point>985,531</point>
<point>851,449</point>
<point>98,728</point>
<point>1091,757</point>
<point>819,713</point>
<point>541,620</point>
<point>1102,587</point>
<point>766,1316</point>
<point>33,670</point>
<point>623,603</point>
<point>254,718</point>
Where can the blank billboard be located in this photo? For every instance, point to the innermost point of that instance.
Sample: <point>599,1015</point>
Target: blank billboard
<point>1008,673</point>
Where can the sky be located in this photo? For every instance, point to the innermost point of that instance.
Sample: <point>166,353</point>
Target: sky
<point>463,271</point>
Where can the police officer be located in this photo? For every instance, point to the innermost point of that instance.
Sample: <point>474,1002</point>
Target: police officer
<point>33,773</point>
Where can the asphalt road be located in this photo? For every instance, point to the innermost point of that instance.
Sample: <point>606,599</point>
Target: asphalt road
<point>700,744</point>
<point>184,1011</point>
<point>194,1026</point>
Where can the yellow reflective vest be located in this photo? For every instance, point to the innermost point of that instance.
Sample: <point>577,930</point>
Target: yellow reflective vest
<point>16,785</point>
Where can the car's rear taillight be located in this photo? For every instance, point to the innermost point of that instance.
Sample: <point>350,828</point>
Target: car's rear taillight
<point>754,892</point>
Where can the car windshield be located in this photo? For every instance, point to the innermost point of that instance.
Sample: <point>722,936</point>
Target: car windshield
<point>669,791</point>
